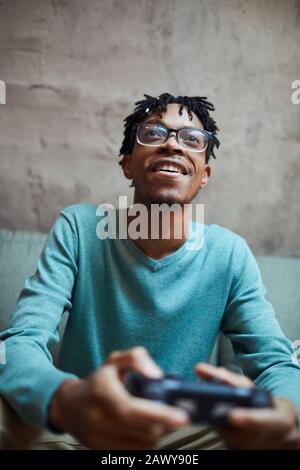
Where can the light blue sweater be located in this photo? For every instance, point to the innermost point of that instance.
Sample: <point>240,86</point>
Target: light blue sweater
<point>119,298</point>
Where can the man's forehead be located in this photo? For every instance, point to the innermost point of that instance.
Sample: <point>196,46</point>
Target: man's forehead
<point>172,116</point>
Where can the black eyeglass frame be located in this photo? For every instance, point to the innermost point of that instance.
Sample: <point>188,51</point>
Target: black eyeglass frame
<point>208,134</point>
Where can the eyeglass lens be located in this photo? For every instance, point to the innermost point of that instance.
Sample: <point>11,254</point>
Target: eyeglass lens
<point>155,135</point>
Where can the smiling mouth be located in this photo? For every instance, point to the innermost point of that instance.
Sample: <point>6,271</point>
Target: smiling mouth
<point>168,174</point>
<point>169,169</point>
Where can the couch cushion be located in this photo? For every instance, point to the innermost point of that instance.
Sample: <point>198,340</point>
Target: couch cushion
<point>19,252</point>
<point>281,277</point>
<point>18,256</point>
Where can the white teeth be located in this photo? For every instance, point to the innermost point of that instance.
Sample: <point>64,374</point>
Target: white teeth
<point>169,168</point>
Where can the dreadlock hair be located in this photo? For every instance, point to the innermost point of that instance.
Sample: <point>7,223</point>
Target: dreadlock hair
<point>151,104</point>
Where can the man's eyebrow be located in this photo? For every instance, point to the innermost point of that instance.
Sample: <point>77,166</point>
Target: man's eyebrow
<point>157,121</point>
<point>152,120</point>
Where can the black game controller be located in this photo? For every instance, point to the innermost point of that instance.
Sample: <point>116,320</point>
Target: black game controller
<point>206,402</point>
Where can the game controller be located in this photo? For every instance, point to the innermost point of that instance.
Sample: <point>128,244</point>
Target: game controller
<point>206,402</point>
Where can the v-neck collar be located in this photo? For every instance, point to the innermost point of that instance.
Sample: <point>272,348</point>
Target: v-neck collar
<point>196,238</point>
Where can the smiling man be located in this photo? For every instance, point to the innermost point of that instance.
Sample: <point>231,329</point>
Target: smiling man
<point>149,305</point>
<point>168,165</point>
<point>166,156</point>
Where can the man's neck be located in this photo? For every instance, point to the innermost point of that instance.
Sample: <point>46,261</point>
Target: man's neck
<point>172,231</point>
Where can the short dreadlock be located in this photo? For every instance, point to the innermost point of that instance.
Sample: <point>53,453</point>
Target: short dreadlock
<point>151,104</point>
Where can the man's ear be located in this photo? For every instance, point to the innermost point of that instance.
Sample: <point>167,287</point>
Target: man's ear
<point>205,176</point>
<point>126,166</point>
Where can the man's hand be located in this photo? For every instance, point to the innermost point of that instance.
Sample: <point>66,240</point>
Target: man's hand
<point>101,413</point>
<point>267,428</point>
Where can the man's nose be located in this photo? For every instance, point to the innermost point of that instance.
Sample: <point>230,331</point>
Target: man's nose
<point>171,143</point>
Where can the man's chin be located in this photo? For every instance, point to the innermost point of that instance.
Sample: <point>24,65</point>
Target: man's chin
<point>167,199</point>
<point>160,197</point>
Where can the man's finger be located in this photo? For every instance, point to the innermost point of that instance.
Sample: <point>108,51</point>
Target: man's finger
<point>137,359</point>
<point>127,408</point>
<point>141,431</point>
<point>230,378</point>
<point>268,419</point>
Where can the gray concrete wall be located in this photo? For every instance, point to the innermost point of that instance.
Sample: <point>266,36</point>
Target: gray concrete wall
<point>74,69</point>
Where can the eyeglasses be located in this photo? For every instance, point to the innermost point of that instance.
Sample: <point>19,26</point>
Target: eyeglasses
<point>190,138</point>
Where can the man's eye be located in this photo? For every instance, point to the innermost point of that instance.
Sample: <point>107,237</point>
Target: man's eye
<point>152,134</point>
<point>191,138</point>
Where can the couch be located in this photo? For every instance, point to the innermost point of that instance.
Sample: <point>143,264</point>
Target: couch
<point>19,251</point>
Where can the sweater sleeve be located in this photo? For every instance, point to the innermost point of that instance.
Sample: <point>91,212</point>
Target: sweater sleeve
<point>28,377</point>
<point>265,354</point>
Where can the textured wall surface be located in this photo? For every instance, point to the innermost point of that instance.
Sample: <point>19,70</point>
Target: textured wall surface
<point>74,68</point>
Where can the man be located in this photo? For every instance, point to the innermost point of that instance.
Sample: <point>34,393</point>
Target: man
<point>151,305</point>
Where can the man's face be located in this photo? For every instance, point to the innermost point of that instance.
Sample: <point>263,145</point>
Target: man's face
<point>156,186</point>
